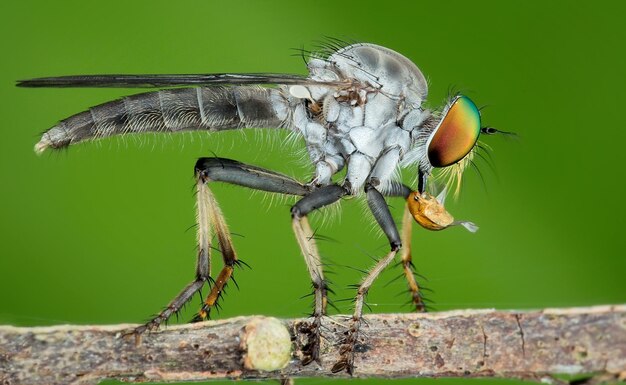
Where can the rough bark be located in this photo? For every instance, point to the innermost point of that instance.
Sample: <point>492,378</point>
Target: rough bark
<point>534,345</point>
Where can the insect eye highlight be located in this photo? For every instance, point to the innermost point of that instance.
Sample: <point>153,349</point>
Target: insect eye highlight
<point>456,134</point>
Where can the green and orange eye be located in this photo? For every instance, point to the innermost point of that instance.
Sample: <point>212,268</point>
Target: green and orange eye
<point>456,134</point>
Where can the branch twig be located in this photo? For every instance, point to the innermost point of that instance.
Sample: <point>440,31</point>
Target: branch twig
<point>534,345</point>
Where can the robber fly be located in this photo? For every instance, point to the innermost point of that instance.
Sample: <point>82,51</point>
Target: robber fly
<point>359,108</point>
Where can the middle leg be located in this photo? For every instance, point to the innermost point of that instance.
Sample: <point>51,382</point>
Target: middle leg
<point>319,198</point>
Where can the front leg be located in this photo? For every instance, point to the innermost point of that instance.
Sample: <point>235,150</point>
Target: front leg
<point>400,190</point>
<point>417,299</point>
<point>379,208</point>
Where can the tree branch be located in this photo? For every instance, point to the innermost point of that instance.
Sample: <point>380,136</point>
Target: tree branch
<point>534,345</point>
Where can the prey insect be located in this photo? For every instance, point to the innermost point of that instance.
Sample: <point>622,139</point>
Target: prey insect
<point>359,108</point>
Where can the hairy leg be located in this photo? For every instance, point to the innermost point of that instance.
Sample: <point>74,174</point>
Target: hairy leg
<point>321,197</point>
<point>381,213</point>
<point>211,221</point>
<point>400,190</point>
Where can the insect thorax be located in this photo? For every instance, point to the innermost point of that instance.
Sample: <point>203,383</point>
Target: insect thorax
<point>369,123</point>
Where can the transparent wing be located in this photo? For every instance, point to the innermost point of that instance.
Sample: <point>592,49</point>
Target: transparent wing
<point>175,80</point>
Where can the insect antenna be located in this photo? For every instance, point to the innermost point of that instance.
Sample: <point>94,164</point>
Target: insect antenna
<point>493,131</point>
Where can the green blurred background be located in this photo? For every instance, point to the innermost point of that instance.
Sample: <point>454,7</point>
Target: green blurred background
<point>100,233</point>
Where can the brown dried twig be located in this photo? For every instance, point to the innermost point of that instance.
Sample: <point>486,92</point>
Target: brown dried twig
<point>534,345</point>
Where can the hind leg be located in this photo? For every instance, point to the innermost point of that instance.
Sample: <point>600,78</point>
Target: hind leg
<point>211,221</point>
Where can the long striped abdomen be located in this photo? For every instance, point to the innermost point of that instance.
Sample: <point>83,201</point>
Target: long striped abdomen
<point>183,109</point>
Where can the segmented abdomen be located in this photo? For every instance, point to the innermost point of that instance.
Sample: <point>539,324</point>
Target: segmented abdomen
<point>204,108</point>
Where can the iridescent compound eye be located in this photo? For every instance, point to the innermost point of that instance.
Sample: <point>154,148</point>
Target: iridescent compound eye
<point>456,134</point>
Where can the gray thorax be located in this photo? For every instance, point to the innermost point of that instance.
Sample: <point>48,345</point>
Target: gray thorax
<point>370,124</point>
